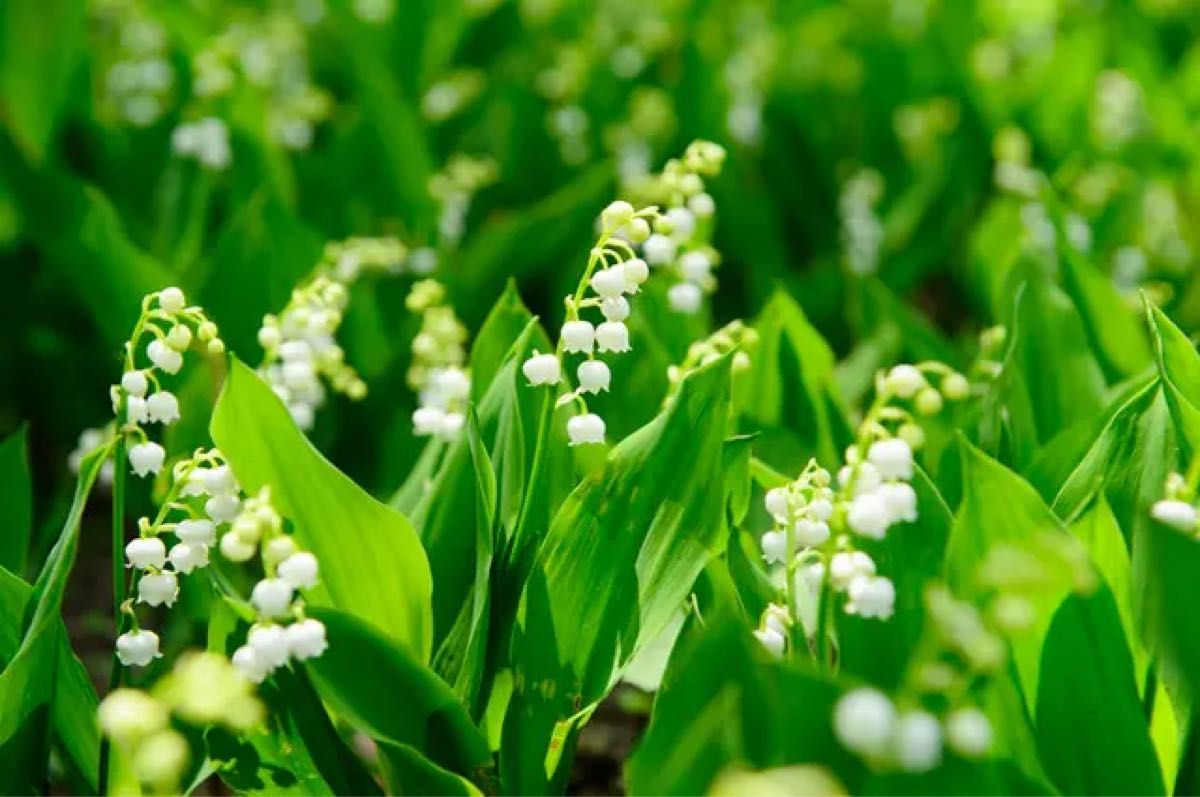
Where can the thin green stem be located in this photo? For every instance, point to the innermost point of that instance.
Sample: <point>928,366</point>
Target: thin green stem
<point>118,579</point>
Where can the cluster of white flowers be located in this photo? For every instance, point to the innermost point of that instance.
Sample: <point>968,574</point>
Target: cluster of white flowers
<point>454,187</point>
<point>680,242</point>
<point>867,722</point>
<point>613,271</point>
<point>139,79</point>
<point>816,523</point>
<point>205,140</point>
<point>89,441</point>
<point>1118,112</point>
<point>1177,509</point>
<point>861,229</point>
<point>203,689</point>
<point>438,372</point>
<point>300,344</point>
<point>733,337</point>
<point>140,398</point>
<point>747,73</point>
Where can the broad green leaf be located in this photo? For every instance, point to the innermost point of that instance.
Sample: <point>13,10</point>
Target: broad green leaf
<point>372,564</point>
<point>1179,369</point>
<point>379,687</point>
<point>503,326</point>
<point>16,501</point>
<point>1116,335</point>
<point>620,558</point>
<point>27,683</point>
<point>1101,536</point>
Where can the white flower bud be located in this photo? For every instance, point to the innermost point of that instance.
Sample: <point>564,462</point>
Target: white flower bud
<point>901,502</point>
<point>542,369</point>
<point>774,547</point>
<point>594,376</point>
<point>136,410</point>
<point>904,381</point>
<point>171,300</point>
<point>585,429</point>
<point>609,281</point>
<point>302,414</point>
<point>164,357</point>
<point>613,336</point>
<point>684,297</point>
<point>578,337</point>
<point>636,273</point>
<point>452,383</point>
<point>810,532</point>
<point>196,532</point>
<point>893,458</point>
<point>845,566</point>
<point>160,760</point>
<point>298,374</point>
<point>235,549</point>
<point>1179,514</point>
<point>270,645</point>
<point>218,480</point>
<point>306,639</point>
<point>272,597</point>
<point>658,249</point>
<point>683,223</point>
<point>696,266</point>
<point>614,308</point>
<point>820,509</point>
<point>637,230</point>
<point>223,507</point>
<point>278,549</point>
<point>868,515</point>
<point>863,721</point>
<point>616,214</point>
<point>871,597</point>
<point>127,715</point>
<point>955,387</point>
<point>427,421</point>
<point>295,351</point>
<point>300,570</point>
<point>702,205</point>
<point>772,640</point>
<point>968,732</point>
<point>452,425</point>
<point>247,663</point>
<point>146,458</point>
<point>162,408</point>
<point>146,553</point>
<point>918,746</point>
<point>134,383</point>
<point>928,401</point>
<point>179,337</point>
<point>269,337</point>
<point>776,502</point>
<point>187,556</point>
<point>137,648</point>
<point>156,589</point>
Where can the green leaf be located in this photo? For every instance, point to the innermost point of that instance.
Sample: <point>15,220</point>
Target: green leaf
<point>27,684</point>
<point>379,687</point>
<point>503,326</point>
<point>16,501</point>
<point>1115,333</point>
<point>372,564</point>
<point>1179,369</point>
<point>619,560</point>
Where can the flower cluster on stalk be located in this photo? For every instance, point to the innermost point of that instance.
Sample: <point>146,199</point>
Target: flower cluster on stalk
<point>438,371</point>
<point>301,352</point>
<point>613,272</point>
<point>817,519</point>
<point>862,231</point>
<point>963,647</point>
<point>454,187</point>
<point>734,337</point>
<point>136,76</point>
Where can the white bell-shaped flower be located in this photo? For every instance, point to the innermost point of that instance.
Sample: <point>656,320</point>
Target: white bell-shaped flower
<point>845,566</point>
<point>968,732</point>
<point>636,273</point>
<point>146,458</point>
<point>585,429</point>
<point>863,721</point>
<point>134,383</point>
<point>164,357</point>
<point>247,662</point>
<point>871,597</point>
<point>696,266</point>
<point>820,509</point>
<point>776,502</point>
<point>187,556</point>
<point>452,425</point>
<point>171,299</point>
<point>219,480</point>
<point>300,570</point>
<point>594,376</point>
<point>136,410</point>
<point>270,644</point>
<point>578,337</point>
<point>658,249</point>
<point>613,336</point>
<point>868,515</point>
<point>223,507</point>
<point>306,639</point>
<point>196,531</point>
<point>609,281</point>
<point>614,308</point>
<point>427,421</point>
<point>616,214</point>
<point>137,648</point>
<point>452,384</point>
<point>542,369</point>
<point>684,297</point>
<point>157,589</point>
<point>772,640</point>
<point>918,745</point>
<point>901,501</point>
<point>236,549</point>
<point>272,597</point>
<point>1178,514</point>
<point>179,337</point>
<point>774,547</point>
<point>702,205</point>
<point>146,553</point>
<point>893,458</point>
<point>162,407</point>
<point>809,532</point>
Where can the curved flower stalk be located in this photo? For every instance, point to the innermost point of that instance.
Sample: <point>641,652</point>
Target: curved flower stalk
<point>202,690</point>
<point>963,648</point>
<point>300,344</point>
<point>438,372</point>
<point>613,271</point>
<point>681,242</point>
<point>817,521</point>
